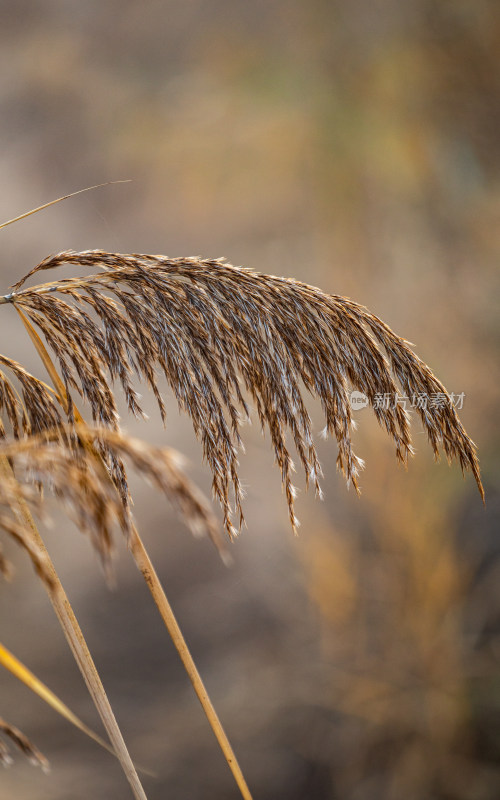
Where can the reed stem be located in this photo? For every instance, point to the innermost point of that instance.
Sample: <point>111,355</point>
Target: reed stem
<point>77,643</point>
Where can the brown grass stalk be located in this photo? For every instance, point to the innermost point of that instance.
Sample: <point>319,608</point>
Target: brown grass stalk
<point>22,673</point>
<point>148,571</point>
<point>75,638</point>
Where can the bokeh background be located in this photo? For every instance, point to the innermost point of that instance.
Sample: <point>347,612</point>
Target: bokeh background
<point>354,145</point>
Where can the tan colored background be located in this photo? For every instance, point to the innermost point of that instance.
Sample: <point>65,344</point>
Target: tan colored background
<point>354,145</point>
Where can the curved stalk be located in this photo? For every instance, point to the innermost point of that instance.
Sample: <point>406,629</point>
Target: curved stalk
<point>77,643</point>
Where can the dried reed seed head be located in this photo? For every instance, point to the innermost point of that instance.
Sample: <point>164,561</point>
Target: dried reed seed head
<point>9,495</point>
<point>23,743</point>
<point>77,477</point>
<point>32,410</point>
<point>216,331</point>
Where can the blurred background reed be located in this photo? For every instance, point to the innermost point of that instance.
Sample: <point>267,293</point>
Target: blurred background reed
<point>356,146</point>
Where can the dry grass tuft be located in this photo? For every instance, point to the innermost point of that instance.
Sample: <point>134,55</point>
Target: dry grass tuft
<point>23,743</point>
<point>79,481</point>
<point>34,410</point>
<point>216,331</point>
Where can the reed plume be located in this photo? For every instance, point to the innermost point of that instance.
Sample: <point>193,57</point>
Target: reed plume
<point>219,334</point>
<point>77,478</point>
<point>34,410</point>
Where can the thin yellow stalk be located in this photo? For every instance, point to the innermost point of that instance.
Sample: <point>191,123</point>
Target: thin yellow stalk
<point>47,362</point>
<point>145,565</point>
<point>59,200</point>
<point>22,673</point>
<point>76,641</point>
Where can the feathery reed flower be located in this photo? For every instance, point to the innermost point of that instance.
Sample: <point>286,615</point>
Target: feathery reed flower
<point>78,479</point>
<point>217,332</point>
